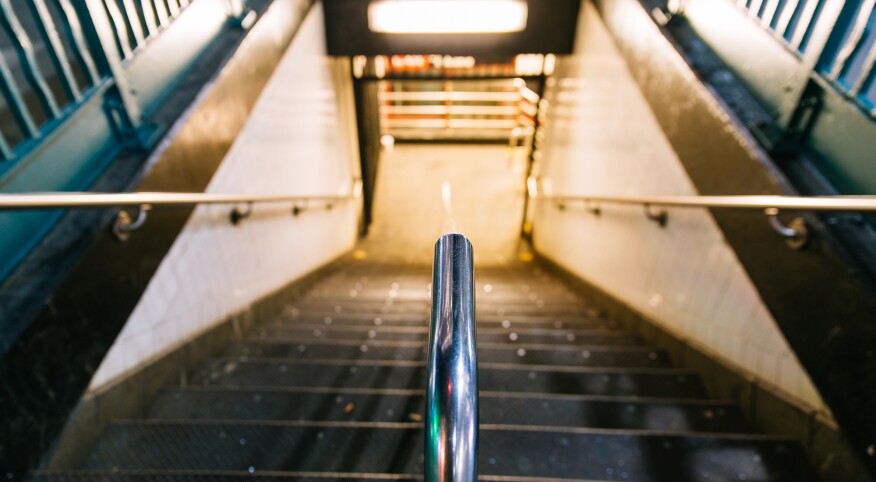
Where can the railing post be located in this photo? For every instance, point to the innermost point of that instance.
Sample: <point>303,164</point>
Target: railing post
<point>452,388</point>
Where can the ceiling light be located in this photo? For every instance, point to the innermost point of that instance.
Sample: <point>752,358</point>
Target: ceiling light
<point>447,16</point>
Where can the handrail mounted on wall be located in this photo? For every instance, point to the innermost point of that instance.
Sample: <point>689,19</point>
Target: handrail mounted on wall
<point>145,201</point>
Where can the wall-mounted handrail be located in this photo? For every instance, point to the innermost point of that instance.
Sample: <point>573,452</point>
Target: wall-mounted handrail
<point>452,388</point>
<point>124,224</point>
<point>796,203</point>
<point>58,200</point>
<point>796,233</point>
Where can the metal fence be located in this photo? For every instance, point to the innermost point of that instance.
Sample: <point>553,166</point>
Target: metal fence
<point>848,56</point>
<point>82,80</point>
<point>54,52</point>
<point>791,20</point>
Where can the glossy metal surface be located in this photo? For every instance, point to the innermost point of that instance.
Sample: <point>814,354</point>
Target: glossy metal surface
<point>57,200</point>
<point>452,386</point>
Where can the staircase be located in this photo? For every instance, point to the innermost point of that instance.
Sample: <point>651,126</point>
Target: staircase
<point>333,389</point>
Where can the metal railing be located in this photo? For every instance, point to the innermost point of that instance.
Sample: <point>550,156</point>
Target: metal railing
<point>848,58</point>
<point>452,386</point>
<point>30,101</point>
<point>796,232</point>
<point>790,20</point>
<point>146,201</point>
<point>798,203</point>
<point>58,57</point>
<point>94,36</point>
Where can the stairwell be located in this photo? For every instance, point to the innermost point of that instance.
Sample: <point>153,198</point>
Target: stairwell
<point>334,390</point>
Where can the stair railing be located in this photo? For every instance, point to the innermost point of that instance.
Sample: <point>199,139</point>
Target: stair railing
<point>451,421</point>
<point>144,202</point>
<point>796,232</point>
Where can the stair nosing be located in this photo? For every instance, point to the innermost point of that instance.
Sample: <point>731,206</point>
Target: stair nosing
<point>490,427</point>
<point>486,365</point>
<point>482,394</point>
<point>290,473</point>
<point>425,329</point>
<point>422,344</point>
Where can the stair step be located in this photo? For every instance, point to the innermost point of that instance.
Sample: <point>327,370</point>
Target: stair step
<point>296,332</point>
<point>395,406</point>
<point>315,305</point>
<point>575,355</point>
<point>241,476</point>
<point>367,297</point>
<point>214,475</point>
<point>394,319</point>
<point>398,448</point>
<point>650,382</point>
<point>333,390</point>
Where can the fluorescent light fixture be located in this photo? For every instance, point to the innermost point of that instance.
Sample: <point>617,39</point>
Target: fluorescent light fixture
<point>447,16</point>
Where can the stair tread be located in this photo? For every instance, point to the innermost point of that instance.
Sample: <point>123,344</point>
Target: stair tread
<point>491,376</point>
<point>395,319</point>
<point>397,448</point>
<point>312,331</point>
<point>584,355</point>
<point>246,476</point>
<point>407,405</point>
<point>332,389</point>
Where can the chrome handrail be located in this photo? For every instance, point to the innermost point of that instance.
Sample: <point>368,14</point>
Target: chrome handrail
<point>452,388</point>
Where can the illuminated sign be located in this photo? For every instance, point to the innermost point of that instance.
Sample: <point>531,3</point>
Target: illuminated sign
<point>447,16</point>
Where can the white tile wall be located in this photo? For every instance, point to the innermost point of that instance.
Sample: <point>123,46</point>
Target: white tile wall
<point>295,142</point>
<point>603,139</point>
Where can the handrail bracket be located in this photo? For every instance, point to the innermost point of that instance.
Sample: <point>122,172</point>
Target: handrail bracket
<point>124,224</point>
<point>796,232</point>
<point>658,215</point>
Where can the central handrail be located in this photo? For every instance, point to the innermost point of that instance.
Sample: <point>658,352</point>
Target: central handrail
<point>452,386</point>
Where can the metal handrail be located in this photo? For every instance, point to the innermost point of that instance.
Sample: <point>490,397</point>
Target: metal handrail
<point>57,200</point>
<point>124,223</point>
<point>452,389</point>
<point>799,203</point>
<point>796,232</point>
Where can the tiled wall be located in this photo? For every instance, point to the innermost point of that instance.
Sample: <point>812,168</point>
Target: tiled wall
<point>297,141</point>
<point>603,139</point>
